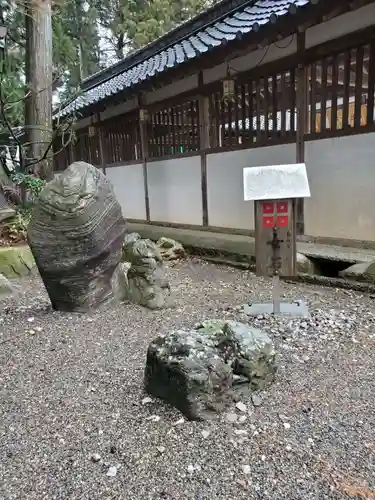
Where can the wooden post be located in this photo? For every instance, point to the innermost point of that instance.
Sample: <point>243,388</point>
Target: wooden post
<point>204,136</point>
<point>301,105</point>
<point>102,155</point>
<point>38,108</point>
<point>144,152</point>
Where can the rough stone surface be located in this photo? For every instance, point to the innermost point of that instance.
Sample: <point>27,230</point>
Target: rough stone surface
<point>76,236</point>
<point>362,271</point>
<point>170,249</point>
<point>16,262</point>
<point>147,284</point>
<point>305,265</point>
<point>6,287</point>
<point>194,370</point>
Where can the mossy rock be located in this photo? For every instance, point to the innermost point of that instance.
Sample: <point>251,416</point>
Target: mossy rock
<point>16,261</point>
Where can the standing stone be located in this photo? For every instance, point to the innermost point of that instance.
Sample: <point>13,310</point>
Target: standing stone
<point>147,284</point>
<point>76,234</point>
<point>197,370</point>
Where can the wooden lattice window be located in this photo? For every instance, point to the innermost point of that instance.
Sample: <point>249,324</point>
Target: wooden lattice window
<point>262,112</point>
<point>121,138</point>
<point>341,91</point>
<point>174,129</point>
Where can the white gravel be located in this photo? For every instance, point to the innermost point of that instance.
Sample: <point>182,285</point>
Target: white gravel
<point>76,424</point>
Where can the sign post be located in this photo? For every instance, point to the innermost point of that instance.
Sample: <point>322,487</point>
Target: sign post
<point>274,190</point>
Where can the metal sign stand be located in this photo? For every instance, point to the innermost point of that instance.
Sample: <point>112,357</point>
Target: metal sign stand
<point>274,190</point>
<point>276,264</point>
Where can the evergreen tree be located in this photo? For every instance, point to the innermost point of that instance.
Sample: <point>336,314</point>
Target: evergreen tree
<point>131,24</point>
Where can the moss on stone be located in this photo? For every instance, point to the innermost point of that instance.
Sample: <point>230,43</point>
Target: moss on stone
<point>16,261</point>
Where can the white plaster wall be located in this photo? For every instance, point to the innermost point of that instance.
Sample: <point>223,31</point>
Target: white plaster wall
<point>226,206</point>
<point>128,185</point>
<point>174,189</point>
<point>341,173</point>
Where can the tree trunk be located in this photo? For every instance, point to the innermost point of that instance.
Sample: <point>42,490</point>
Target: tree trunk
<point>39,79</point>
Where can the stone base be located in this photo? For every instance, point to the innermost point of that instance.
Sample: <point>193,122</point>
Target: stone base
<point>298,308</point>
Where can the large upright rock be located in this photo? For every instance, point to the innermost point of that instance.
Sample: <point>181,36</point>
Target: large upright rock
<point>76,236</point>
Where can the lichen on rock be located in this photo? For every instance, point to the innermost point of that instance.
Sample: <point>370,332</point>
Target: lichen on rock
<point>194,369</point>
<point>170,249</point>
<point>16,262</point>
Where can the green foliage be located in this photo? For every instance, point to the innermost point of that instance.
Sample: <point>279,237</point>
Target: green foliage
<point>78,26</point>
<point>30,183</point>
<point>15,230</point>
<point>131,24</point>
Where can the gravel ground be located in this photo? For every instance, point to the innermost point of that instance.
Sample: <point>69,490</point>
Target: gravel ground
<point>75,423</point>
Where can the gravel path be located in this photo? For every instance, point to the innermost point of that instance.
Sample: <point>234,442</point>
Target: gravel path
<point>75,423</point>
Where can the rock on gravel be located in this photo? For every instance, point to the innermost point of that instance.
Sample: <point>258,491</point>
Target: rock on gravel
<point>51,422</point>
<point>170,249</point>
<point>76,234</point>
<point>193,369</point>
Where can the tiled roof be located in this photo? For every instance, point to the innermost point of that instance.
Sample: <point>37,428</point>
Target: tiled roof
<point>250,16</point>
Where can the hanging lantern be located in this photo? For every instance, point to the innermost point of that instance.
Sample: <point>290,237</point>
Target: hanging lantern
<point>92,131</point>
<point>228,88</point>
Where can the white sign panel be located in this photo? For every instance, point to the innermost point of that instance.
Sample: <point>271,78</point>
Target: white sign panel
<point>275,182</point>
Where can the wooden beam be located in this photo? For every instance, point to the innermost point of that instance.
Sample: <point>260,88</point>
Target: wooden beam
<point>204,144</point>
<point>301,105</point>
<point>371,85</point>
<point>144,153</point>
<point>102,152</point>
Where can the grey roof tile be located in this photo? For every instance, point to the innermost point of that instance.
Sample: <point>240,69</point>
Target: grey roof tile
<point>234,25</point>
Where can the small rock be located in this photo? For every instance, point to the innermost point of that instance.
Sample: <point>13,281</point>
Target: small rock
<point>240,432</point>
<point>241,406</point>
<point>161,449</point>
<point>112,471</point>
<point>96,457</point>
<point>153,418</point>
<point>242,419</point>
<point>257,400</point>
<point>205,434</point>
<point>194,468</point>
<point>146,400</point>
<point>246,469</point>
<point>286,425</point>
<point>231,417</point>
<point>179,422</point>
<point>31,319</point>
